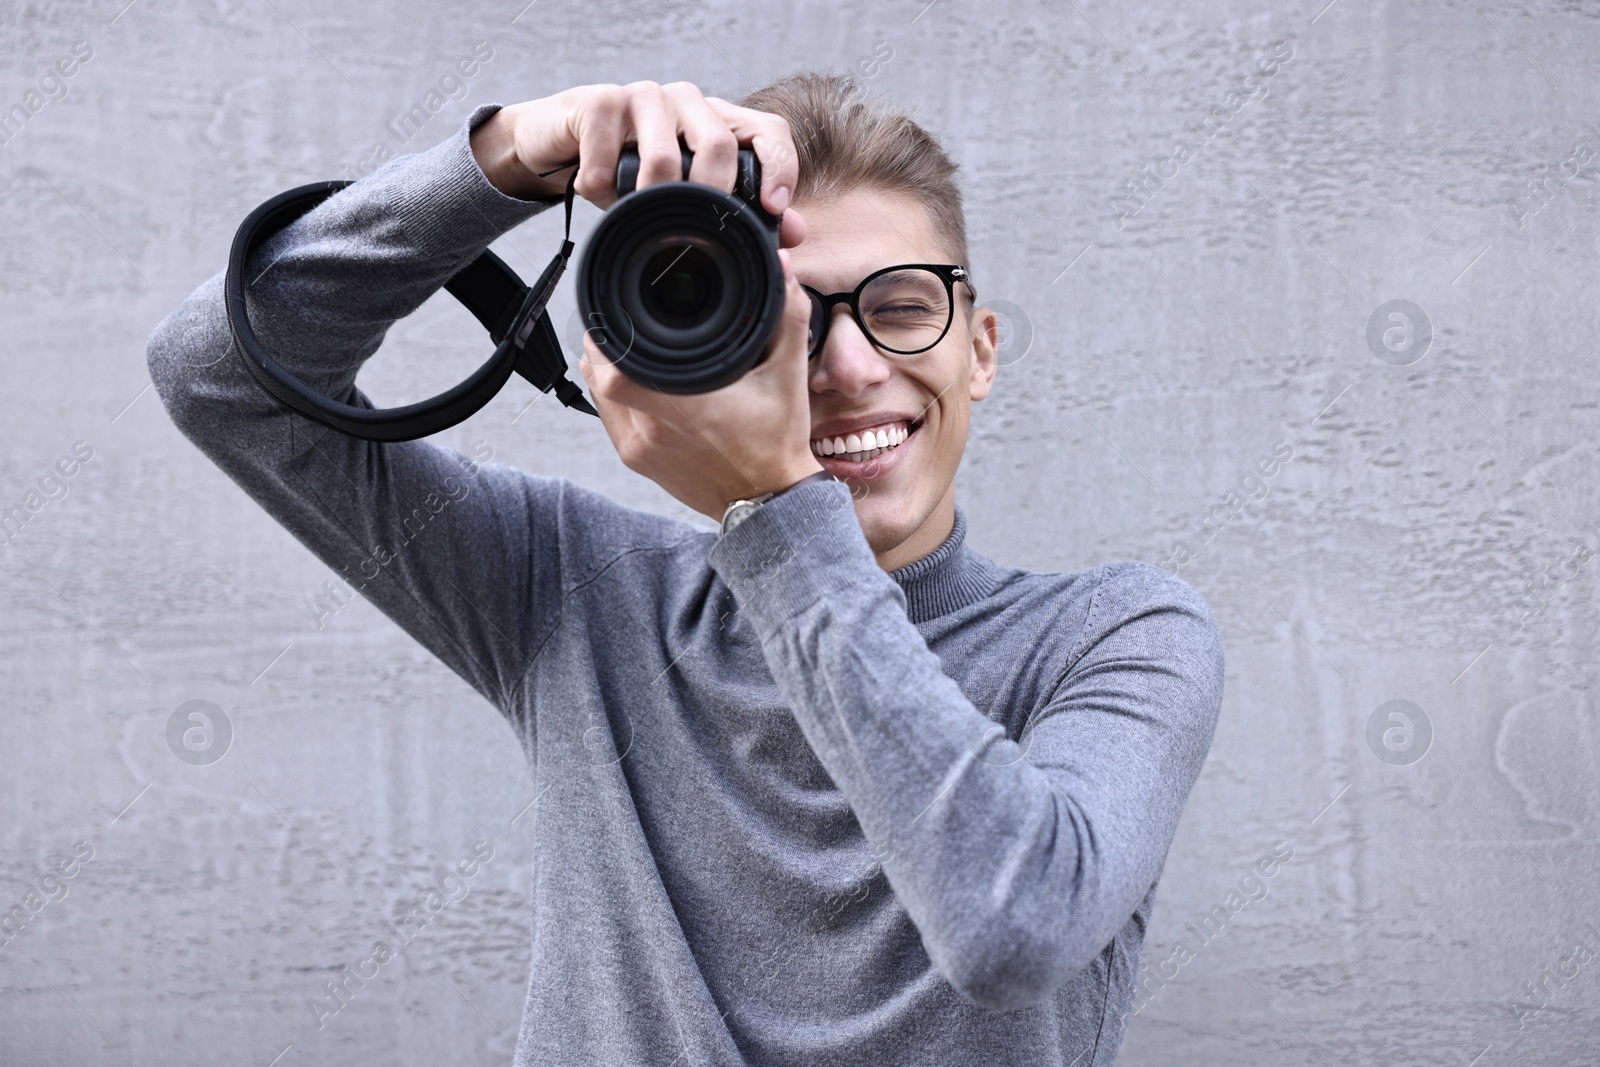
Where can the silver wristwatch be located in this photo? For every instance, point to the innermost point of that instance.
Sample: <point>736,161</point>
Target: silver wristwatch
<point>742,509</point>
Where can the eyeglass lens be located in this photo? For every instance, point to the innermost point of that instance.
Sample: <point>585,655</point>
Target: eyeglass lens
<point>903,311</point>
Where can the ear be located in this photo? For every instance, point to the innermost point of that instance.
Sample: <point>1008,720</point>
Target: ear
<point>984,331</point>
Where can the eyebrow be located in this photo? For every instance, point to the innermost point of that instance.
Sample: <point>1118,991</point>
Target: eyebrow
<point>859,277</point>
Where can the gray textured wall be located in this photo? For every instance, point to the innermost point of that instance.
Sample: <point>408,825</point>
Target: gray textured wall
<point>1428,541</point>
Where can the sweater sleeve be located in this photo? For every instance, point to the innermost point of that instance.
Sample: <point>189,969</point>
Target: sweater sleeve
<point>1018,860</point>
<point>460,554</point>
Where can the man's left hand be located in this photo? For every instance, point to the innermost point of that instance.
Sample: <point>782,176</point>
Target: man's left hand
<point>750,437</point>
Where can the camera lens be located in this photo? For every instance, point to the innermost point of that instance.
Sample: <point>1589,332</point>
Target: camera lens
<point>681,290</point>
<point>681,287</point>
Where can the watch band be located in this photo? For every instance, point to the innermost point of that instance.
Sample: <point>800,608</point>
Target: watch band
<point>741,509</point>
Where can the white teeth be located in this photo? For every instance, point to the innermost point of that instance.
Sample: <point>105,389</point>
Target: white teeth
<point>862,445</point>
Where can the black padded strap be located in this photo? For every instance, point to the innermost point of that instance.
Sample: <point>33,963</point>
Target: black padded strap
<point>491,291</point>
<point>513,313</point>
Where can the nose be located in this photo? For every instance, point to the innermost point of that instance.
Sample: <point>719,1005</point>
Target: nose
<point>848,363</point>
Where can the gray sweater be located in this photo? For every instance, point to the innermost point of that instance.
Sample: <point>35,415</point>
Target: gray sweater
<point>794,810</point>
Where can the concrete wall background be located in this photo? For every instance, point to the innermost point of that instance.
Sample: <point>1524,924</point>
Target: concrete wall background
<point>1428,541</point>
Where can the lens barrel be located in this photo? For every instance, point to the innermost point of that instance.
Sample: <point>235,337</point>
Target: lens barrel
<point>680,284</point>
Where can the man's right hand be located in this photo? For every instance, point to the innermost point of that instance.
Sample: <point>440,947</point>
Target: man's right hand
<point>592,123</point>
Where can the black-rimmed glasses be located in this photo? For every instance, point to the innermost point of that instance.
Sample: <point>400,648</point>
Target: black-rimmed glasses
<point>904,309</point>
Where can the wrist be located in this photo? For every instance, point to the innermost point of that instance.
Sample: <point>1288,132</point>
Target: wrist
<point>741,508</point>
<point>494,146</point>
<point>779,484</point>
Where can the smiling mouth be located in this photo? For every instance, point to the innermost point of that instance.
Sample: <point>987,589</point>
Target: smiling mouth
<point>865,445</point>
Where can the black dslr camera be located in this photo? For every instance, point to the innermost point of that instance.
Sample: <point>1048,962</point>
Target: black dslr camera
<point>680,286</point>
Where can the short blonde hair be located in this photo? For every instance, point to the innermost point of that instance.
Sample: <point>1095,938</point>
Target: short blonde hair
<point>844,142</point>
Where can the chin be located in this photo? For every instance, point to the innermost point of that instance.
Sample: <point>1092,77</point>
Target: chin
<point>885,521</point>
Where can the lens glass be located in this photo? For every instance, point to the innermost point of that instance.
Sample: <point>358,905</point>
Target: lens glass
<point>906,310</point>
<point>681,286</point>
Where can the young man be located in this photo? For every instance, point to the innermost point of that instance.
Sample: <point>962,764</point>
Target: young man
<point>826,786</point>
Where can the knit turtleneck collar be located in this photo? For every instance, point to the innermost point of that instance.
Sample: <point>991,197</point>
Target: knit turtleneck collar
<point>950,577</point>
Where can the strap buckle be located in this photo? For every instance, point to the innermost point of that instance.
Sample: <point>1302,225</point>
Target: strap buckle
<point>537,350</point>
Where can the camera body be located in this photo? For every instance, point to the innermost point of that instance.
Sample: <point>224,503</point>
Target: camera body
<point>680,284</point>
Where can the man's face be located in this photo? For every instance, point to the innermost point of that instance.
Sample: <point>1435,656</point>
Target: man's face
<point>905,498</point>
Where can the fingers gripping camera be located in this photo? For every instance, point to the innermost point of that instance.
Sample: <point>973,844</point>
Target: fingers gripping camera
<point>680,286</point>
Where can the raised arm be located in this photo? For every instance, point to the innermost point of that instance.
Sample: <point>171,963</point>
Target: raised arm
<point>444,545</point>
<point>466,557</point>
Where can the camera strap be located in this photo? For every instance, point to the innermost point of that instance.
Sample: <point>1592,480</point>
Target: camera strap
<point>513,313</point>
